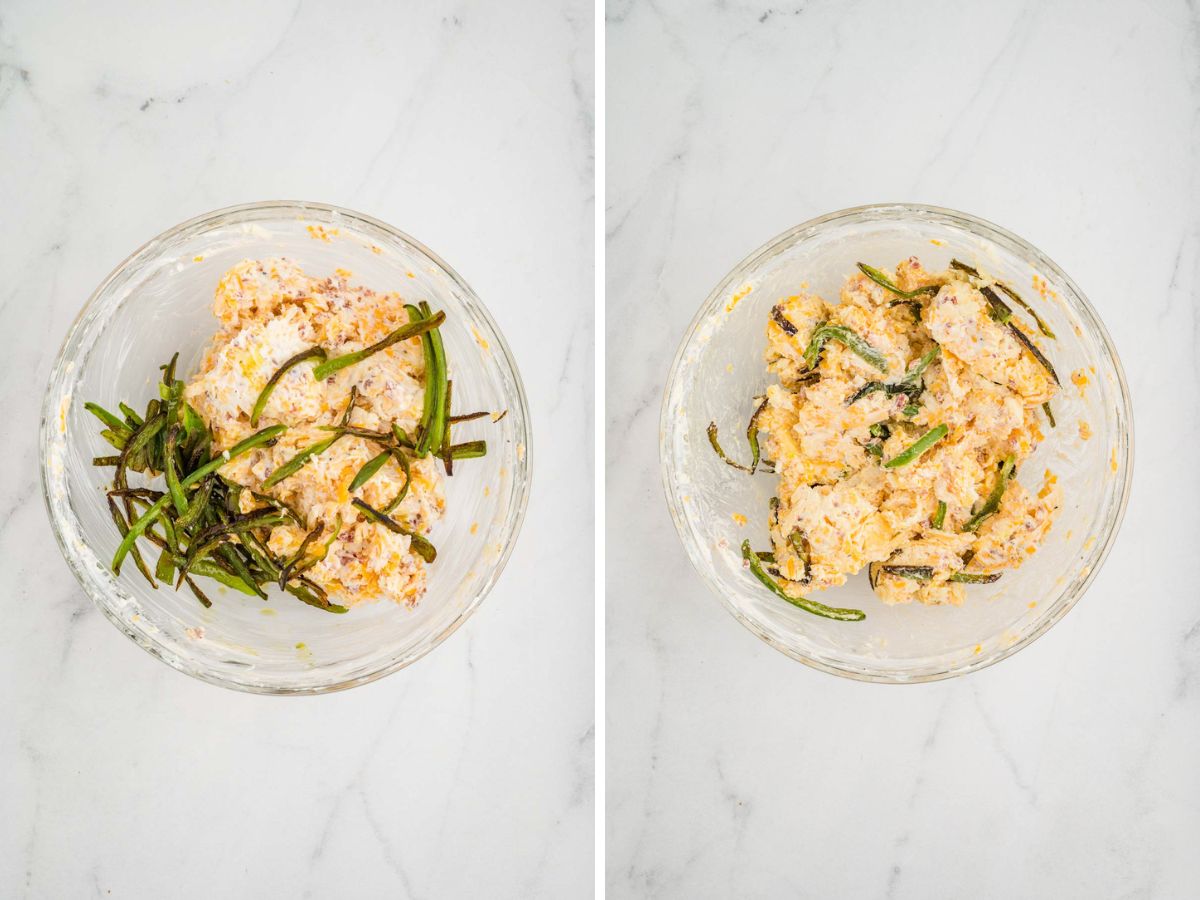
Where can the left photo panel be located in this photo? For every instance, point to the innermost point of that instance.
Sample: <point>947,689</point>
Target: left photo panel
<point>302,363</point>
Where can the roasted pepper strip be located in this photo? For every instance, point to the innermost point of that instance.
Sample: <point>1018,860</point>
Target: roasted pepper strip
<point>150,515</point>
<point>1034,351</point>
<point>297,462</point>
<point>923,443</point>
<point>370,467</point>
<point>411,330</point>
<point>993,501</point>
<point>811,606</point>
<point>939,517</point>
<point>883,281</point>
<point>435,381</point>
<point>265,394</point>
<point>420,545</point>
<point>716,445</point>
<point>848,339</point>
<point>974,577</point>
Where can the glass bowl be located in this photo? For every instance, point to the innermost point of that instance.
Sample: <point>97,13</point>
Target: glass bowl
<point>719,367</point>
<point>159,300</point>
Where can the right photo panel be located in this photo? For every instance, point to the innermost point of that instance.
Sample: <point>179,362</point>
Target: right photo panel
<point>889,613</point>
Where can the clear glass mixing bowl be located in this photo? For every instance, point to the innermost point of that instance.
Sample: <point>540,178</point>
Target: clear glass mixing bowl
<point>158,301</point>
<point>719,367</point>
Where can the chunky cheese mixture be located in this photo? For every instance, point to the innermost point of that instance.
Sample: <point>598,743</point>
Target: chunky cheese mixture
<point>848,508</point>
<point>269,311</point>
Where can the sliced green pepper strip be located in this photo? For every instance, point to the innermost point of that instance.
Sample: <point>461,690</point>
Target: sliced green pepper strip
<point>193,425</point>
<point>975,577</point>
<point>370,467</point>
<point>1042,326</point>
<point>447,459</point>
<point>997,308</point>
<point>209,569</point>
<point>913,573</point>
<point>209,539</point>
<point>993,501</point>
<point>1013,295</point>
<point>116,424</point>
<point>197,505</point>
<point>848,339</point>
<point>333,536</point>
<point>289,567</point>
<point>297,462</point>
<point>810,606</point>
<point>923,443</point>
<point>150,515</point>
<point>420,545</point>
<point>265,394</point>
<point>467,450</point>
<point>123,527</point>
<point>170,472</point>
<point>411,330</point>
<point>752,436</point>
<point>1049,414</point>
<point>402,462</point>
<point>800,547</point>
<point>1034,351</point>
<point>132,419</point>
<point>235,561</point>
<point>716,445</point>
<point>883,281</point>
<point>431,437</point>
<point>939,517</point>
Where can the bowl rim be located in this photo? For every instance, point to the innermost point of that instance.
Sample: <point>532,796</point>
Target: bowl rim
<point>523,464</point>
<point>897,211</point>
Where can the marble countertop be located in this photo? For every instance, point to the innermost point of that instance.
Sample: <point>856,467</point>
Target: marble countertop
<point>1068,770</point>
<point>467,124</point>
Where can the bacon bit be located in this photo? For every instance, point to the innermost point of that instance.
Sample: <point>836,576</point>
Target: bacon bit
<point>737,298</point>
<point>1085,430</point>
<point>740,519</point>
<point>196,634</point>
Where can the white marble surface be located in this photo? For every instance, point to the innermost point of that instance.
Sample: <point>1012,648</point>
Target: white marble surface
<point>470,126</point>
<point>1070,769</point>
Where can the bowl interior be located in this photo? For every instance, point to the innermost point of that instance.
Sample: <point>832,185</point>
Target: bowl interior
<point>159,301</point>
<point>720,367</point>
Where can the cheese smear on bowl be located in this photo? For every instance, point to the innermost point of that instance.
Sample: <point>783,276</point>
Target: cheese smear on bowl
<point>899,414</point>
<point>269,311</point>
